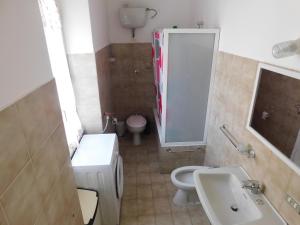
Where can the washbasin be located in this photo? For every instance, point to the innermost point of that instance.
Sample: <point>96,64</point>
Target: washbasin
<point>227,203</point>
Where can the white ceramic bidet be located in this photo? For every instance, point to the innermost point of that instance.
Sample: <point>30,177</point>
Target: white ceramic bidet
<point>182,178</point>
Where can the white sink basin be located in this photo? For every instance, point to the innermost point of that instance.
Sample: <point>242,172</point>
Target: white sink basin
<point>227,203</point>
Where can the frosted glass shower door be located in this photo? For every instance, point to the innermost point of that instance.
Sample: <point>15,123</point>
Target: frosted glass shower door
<point>190,64</point>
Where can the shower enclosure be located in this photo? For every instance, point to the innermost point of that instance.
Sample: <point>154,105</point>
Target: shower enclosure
<point>184,65</point>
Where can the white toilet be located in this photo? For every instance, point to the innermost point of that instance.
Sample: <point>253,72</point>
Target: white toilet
<point>136,124</point>
<point>182,178</point>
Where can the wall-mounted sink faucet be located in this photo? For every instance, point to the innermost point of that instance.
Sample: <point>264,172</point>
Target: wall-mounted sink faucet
<point>254,186</point>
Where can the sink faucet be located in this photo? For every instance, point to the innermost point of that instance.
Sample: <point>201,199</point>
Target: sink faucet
<point>254,186</point>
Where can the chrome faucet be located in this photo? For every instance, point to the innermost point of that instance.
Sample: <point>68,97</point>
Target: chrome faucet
<point>254,186</point>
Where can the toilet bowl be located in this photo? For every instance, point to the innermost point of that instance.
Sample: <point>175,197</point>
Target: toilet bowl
<point>136,124</point>
<point>182,178</point>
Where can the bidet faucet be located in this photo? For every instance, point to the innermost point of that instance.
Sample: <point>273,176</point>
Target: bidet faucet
<point>254,186</point>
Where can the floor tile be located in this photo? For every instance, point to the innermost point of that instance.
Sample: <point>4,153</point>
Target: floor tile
<point>144,191</point>
<point>145,207</point>
<point>129,208</point>
<point>146,220</point>
<point>148,195</point>
<point>181,219</point>
<point>157,178</point>
<point>143,168</point>
<point>131,180</point>
<point>163,219</point>
<point>162,206</point>
<point>143,178</point>
<point>159,191</point>
<point>129,220</point>
<point>130,191</point>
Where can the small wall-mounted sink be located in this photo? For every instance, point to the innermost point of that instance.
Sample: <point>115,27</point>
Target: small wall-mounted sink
<point>227,203</point>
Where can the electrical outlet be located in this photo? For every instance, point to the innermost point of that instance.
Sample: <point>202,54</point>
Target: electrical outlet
<point>293,203</point>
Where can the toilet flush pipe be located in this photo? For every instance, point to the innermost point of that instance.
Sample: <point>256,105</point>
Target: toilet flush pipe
<point>107,117</point>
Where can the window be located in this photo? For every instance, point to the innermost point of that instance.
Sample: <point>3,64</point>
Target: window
<point>60,70</point>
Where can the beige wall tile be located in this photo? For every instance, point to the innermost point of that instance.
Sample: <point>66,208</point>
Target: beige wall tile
<point>233,90</point>
<point>60,147</point>
<point>182,156</point>
<point>68,186</point>
<point>276,179</point>
<point>21,201</point>
<point>3,220</point>
<point>294,185</point>
<point>42,219</point>
<point>285,209</point>
<point>55,205</point>
<point>45,168</point>
<point>132,92</point>
<point>289,214</point>
<point>52,107</point>
<point>14,149</point>
<point>104,80</point>
<point>33,111</point>
<point>72,213</point>
<point>36,188</point>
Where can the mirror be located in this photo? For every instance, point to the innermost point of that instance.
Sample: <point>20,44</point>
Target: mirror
<point>275,111</point>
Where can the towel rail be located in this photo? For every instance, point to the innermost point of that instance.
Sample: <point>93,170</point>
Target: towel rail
<point>230,137</point>
<point>244,149</point>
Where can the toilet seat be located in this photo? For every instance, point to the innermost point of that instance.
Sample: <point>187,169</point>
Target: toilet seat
<point>182,177</point>
<point>136,121</point>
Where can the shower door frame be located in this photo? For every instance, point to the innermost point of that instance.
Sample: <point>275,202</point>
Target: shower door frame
<point>161,128</point>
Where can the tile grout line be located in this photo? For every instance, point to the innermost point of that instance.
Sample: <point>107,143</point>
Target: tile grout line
<point>4,213</point>
<point>15,178</point>
<point>43,143</point>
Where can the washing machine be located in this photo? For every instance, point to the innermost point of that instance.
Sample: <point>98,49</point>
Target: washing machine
<point>97,165</point>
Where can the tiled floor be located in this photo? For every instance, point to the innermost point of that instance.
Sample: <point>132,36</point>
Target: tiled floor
<point>148,194</point>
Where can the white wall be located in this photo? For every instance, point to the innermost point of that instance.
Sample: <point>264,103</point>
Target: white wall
<point>251,28</point>
<point>171,12</point>
<point>76,26</point>
<point>24,60</point>
<point>98,17</point>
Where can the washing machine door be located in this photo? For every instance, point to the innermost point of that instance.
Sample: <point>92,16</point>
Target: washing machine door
<point>119,177</point>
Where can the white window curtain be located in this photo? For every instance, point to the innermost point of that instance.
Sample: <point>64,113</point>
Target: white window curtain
<point>60,70</point>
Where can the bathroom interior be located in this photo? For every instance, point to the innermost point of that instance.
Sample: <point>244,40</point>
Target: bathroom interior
<point>148,112</point>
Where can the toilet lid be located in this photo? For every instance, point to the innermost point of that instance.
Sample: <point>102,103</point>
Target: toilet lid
<point>136,121</point>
